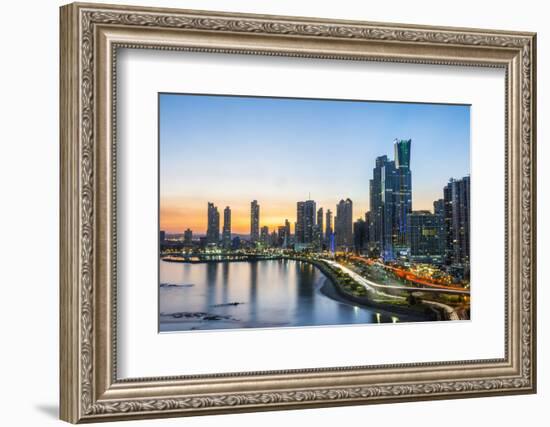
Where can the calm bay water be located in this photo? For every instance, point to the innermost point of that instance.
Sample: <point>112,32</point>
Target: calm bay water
<point>229,295</point>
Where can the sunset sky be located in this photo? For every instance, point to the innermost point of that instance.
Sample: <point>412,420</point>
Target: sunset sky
<point>230,150</point>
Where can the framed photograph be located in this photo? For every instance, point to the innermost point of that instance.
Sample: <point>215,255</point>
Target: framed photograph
<point>266,212</point>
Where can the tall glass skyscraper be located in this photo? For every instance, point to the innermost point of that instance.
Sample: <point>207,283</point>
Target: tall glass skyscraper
<point>402,192</point>
<point>343,224</point>
<point>213,228</point>
<point>391,202</point>
<point>456,196</point>
<point>226,233</point>
<point>320,225</point>
<point>305,221</point>
<point>254,221</point>
<point>328,227</point>
<point>424,236</point>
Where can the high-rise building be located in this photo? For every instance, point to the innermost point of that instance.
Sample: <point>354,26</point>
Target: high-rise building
<point>281,236</point>
<point>381,206</point>
<point>328,227</point>
<point>188,237</point>
<point>343,224</point>
<point>402,193</point>
<point>213,229</point>
<point>424,239</point>
<point>236,243</point>
<point>162,236</point>
<point>305,221</point>
<point>391,202</point>
<point>254,221</point>
<point>264,235</point>
<point>320,226</point>
<point>274,239</point>
<point>226,233</point>
<point>288,236</point>
<point>456,196</point>
<point>359,235</point>
<point>439,212</point>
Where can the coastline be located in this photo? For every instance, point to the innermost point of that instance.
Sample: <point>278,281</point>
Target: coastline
<point>331,290</point>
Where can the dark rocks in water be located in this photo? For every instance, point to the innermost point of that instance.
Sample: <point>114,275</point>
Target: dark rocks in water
<point>176,285</point>
<point>228,304</point>
<point>200,315</point>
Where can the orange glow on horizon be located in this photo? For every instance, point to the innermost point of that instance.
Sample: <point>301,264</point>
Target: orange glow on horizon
<point>178,215</point>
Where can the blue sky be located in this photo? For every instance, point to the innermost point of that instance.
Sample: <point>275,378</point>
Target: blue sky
<point>231,150</point>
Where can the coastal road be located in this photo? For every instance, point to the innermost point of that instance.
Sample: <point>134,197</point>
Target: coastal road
<point>369,284</point>
<point>375,287</point>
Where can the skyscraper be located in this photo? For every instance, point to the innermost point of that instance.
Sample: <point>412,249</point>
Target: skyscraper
<point>359,235</point>
<point>226,233</point>
<point>213,229</point>
<point>328,226</point>
<point>456,196</point>
<point>402,192</point>
<point>439,212</point>
<point>281,236</point>
<point>391,202</point>
<point>264,236</point>
<point>424,236</point>
<point>305,221</point>
<point>344,224</point>
<point>288,236</point>
<point>188,237</point>
<point>162,236</point>
<point>320,226</point>
<point>379,198</point>
<point>254,221</point>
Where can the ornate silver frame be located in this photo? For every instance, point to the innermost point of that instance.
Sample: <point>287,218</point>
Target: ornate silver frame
<point>90,36</point>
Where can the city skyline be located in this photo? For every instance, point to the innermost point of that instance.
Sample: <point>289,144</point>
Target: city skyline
<point>281,166</point>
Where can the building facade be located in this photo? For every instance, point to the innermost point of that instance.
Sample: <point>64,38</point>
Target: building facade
<point>226,233</point>
<point>305,222</point>
<point>402,195</point>
<point>391,203</point>
<point>456,196</point>
<point>254,221</point>
<point>213,228</point>
<point>188,237</point>
<point>320,231</point>
<point>328,227</point>
<point>424,237</point>
<point>359,236</point>
<point>343,224</point>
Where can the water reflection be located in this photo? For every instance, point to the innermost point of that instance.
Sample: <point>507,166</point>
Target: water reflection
<point>274,293</point>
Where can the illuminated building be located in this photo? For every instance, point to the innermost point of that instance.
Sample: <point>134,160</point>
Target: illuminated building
<point>264,236</point>
<point>213,229</point>
<point>424,237</point>
<point>402,194</point>
<point>188,237</point>
<point>439,212</point>
<point>328,227</point>
<point>391,203</point>
<point>254,221</point>
<point>382,203</point>
<point>226,233</point>
<point>359,235</point>
<point>343,224</point>
<point>456,196</point>
<point>281,236</point>
<point>305,221</point>
<point>236,243</point>
<point>288,236</point>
